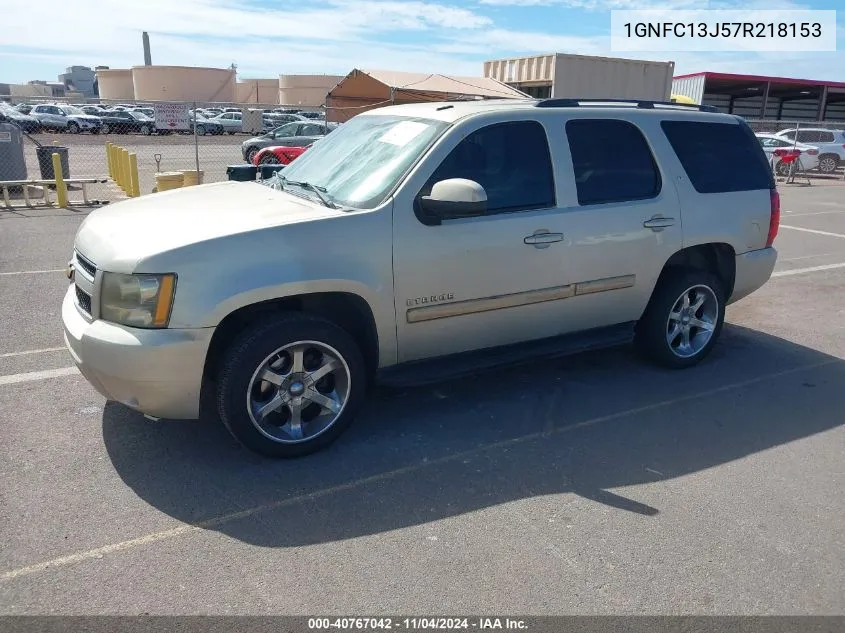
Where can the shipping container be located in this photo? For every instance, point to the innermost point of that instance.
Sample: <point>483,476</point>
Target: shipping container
<point>586,77</point>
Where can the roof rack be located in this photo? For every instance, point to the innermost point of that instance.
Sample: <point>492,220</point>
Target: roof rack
<point>649,105</point>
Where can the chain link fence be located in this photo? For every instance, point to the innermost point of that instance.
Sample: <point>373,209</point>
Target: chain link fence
<point>206,138</point>
<point>209,140</point>
<point>771,126</point>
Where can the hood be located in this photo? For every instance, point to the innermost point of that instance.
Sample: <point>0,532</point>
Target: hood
<point>120,236</point>
<point>84,117</point>
<point>19,116</point>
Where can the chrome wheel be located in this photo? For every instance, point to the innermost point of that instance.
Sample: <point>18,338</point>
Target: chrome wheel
<point>692,321</point>
<point>298,392</point>
<point>828,164</point>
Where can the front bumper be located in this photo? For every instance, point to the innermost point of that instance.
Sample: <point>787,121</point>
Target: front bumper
<point>157,372</point>
<point>753,269</point>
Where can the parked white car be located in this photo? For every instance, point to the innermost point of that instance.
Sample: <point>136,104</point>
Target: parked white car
<point>831,145</point>
<point>776,146</point>
<point>232,122</point>
<point>66,118</point>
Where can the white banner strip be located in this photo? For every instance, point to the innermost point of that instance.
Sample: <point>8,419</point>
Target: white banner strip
<point>722,30</point>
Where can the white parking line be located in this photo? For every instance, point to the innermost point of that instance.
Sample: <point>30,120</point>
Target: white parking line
<point>27,352</point>
<point>801,228</point>
<point>799,215</point>
<point>811,269</point>
<point>13,379</point>
<point>34,272</point>
<point>99,552</point>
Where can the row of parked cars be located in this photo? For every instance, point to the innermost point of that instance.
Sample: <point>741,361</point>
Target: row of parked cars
<point>819,149</point>
<point>135,119</point>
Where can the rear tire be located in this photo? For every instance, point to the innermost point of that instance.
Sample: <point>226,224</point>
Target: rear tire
<point>296,425</point>
<point>683,319</point>
<point>106,128</point>
<point>828,163</point>
<point>73,127</point>
<point>270,159</point>
<point>145,130</point>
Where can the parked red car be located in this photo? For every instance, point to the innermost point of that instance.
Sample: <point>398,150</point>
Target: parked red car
<point>278,155</point>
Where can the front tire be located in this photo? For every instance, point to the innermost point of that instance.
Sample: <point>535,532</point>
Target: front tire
<point>250,155</point>
<point>683,319</point>
<point>290,385</point>
<point>106,128</point>
<point>270,159</point>
<point>145,130</point>
<point>73,127</point>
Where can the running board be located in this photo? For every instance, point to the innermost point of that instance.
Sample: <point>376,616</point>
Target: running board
<point>469,363</point>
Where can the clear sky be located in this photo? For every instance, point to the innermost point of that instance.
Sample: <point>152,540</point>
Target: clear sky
<point>266,38</point>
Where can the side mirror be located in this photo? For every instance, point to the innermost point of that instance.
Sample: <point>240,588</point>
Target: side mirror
<point>453,198</point>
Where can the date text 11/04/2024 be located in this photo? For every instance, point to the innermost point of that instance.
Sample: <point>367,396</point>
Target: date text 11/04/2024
<point>418,623</point>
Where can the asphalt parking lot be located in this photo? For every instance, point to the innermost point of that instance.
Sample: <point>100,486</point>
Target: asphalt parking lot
<point>593,484</point>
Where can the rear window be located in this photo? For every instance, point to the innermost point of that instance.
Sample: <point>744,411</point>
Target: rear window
<point>612,161</point>
<point>719,157</point>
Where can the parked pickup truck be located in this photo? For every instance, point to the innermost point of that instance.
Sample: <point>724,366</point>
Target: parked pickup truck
<point>419,243</point>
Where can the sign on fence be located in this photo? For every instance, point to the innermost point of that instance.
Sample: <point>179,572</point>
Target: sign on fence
<point>172,116</point>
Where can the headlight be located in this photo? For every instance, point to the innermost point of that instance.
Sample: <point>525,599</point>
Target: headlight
<point>137,300</point>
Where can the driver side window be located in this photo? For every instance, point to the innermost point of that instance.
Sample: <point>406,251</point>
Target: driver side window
<point>510,160</point>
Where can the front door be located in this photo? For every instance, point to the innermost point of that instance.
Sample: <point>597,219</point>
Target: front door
<point>471,283</point>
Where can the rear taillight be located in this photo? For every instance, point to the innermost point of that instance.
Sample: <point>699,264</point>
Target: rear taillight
<point>774,219</point>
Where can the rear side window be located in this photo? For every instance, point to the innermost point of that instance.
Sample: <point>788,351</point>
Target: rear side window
<point>612,161</point>
<point>826,137</point>
<point>719,157</point>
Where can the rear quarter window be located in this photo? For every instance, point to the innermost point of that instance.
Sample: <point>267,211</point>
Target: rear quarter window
<point>719,157</point>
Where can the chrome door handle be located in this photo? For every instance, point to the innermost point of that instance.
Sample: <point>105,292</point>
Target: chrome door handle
<point>658,223</point>
<point>542,239</point>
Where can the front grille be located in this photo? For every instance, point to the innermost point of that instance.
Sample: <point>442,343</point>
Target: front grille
<point>85,265</point>
<point>84,299</point>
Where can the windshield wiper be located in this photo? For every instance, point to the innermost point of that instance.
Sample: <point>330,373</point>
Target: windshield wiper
<point>320,191</point>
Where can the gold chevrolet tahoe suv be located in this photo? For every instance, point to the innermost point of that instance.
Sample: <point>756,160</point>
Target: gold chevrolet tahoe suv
<point>418,242</point>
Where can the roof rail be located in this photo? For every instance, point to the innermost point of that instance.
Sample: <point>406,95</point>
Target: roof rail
<point>575,103</point>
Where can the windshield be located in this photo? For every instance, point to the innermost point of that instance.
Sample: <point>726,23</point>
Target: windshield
<point>140,116</point>
<point>72,110</point>
<point>361,161</point>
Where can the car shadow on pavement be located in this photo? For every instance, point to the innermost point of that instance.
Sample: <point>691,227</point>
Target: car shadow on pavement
<point>582,425</point>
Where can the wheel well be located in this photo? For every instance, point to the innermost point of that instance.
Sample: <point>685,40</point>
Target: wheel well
<point>718,259</point>
<point>833,155</point>
<point>349,311</point>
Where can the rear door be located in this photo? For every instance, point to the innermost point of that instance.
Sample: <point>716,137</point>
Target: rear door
<point>620,216</point>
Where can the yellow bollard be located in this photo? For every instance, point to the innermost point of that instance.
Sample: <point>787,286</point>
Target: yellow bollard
<point>115,164</point>
<point>127,181</point>
<point>108,159</point>
<point>133,174</point>
<point>61,187</point>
